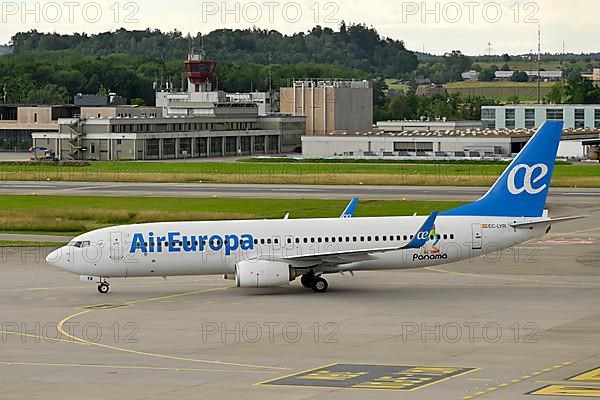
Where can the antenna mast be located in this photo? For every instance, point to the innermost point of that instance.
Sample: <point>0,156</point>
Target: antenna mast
<point>539,62</point>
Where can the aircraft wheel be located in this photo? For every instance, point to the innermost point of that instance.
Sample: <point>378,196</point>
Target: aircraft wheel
<point>319,285</point>
<point>103,288</point>
<point>306,280</point>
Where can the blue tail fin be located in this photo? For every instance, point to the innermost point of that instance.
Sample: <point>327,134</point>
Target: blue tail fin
<point>350,208</point>
<point>422,235</point>
<point>522,188</point>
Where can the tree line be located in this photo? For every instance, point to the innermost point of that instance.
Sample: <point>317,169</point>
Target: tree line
<point>355,46</point>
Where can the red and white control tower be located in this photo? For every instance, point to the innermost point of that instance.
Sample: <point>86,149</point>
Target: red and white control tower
<point>200,72</point>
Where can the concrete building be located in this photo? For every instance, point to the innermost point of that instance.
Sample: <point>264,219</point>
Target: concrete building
<point>329,105</point>
<point>231,130</point>
<point>575,116</point>
<point>455,144</point>
<point>18,122</point>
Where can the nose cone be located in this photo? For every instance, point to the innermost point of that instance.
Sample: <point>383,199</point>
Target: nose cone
<point>59,258</point>
<point>52,258</point>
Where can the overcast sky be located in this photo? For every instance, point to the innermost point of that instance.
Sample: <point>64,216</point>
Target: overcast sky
<point>509,25</point>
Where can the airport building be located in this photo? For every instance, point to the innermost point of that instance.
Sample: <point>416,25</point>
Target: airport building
<point>193,124</point>
<point>18,122</point>
<point>575,116</point>
<point>329,104</point>
<point>448,144</point>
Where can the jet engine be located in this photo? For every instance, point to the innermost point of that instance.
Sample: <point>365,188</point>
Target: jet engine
<point>262,273</point>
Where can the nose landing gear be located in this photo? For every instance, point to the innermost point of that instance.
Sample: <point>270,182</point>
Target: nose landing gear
<point>103,287</point>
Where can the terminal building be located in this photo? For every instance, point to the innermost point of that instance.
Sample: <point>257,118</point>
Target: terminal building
<point>198,123</point>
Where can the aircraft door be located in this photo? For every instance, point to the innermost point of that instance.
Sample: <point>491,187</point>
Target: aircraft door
<point>477,237</point>
<point>116,246</point>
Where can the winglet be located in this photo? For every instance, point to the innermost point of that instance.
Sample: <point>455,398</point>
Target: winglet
<point>350,208</point>
<point>422,235</point>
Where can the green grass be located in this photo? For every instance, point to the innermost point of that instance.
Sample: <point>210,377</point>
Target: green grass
<point>501,91</point>
<point>23,243</point>
<point>73,215</point>
<point>275,171</point>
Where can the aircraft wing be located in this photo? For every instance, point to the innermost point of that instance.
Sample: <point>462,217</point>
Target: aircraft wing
<point>347,256</point>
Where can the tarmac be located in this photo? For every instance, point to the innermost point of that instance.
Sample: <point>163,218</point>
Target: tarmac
<point>201,190</point>
<point>518,325</point>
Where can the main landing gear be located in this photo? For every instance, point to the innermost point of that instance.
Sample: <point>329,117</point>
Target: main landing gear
<point>103,287</point>
<point>316,283</point>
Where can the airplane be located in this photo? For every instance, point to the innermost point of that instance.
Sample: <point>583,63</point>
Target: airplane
<point>273,253</point>
<point>347,213</point>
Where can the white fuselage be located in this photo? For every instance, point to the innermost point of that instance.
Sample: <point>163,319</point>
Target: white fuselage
<point>133,251</point>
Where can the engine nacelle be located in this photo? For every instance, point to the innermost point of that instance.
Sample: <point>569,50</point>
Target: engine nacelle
<point>262,273</point>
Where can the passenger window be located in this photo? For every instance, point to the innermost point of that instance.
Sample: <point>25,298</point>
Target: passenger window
<point>289,240</point>
<point>262,241</point>
<point>305,240</point>
<point>255,241</point>
<point>347,238</point>
<point>384,238</point>
<point>326,240</point>
<point>312,239</point>
<point>269,241</point>
<point>439,237</point>
<point>377,238</point>
<point>362,238</point>
<point>354,239</point>
<point>320,240</point>
<point>297,240</point>
<point>445,236</point>
<point>452,236</point>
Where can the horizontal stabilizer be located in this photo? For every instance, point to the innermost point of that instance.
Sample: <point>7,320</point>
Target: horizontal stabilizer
<point>546,221</point>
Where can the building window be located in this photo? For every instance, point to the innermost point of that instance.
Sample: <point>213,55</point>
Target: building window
<point>529,118</point>
<point>509,118</point>
<point>597,118</point>
<point>93,148</point>
<point>579,118</point>
<point>34,117</point>
<point>488,117</point>
<point>413,147</point>
<point>554,114</point>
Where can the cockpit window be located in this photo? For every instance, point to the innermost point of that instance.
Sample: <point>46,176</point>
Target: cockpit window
<point>80,244</point>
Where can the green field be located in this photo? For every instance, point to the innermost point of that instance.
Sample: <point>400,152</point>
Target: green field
<point>501,91</point>
<point>566,175</point>
<point>24,243</point>
<point>72,215</point>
